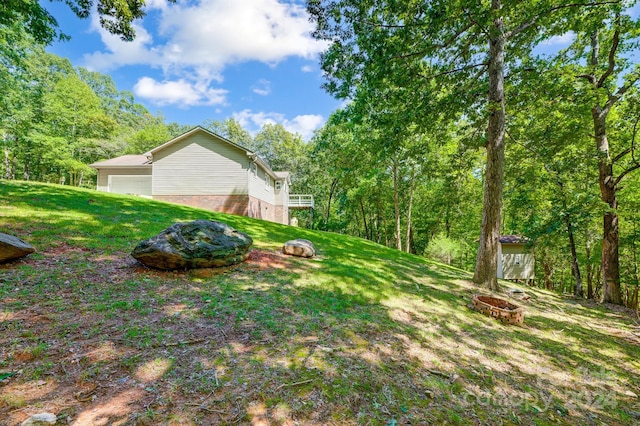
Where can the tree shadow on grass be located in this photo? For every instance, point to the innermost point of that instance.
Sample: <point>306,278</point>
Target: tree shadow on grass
<point>363,334</point>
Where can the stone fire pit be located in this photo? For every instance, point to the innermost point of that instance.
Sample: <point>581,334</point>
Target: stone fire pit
<point>499,309</point>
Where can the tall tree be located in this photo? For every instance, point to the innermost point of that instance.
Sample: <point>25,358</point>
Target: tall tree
<point>281,149</point>
<point>550,158</point>
<point>230,129</point>
<point>606,39</point>
<point>463,45</point>
<point>72,118</point>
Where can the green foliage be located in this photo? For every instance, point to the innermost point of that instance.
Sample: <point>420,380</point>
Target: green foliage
<point>149,137</point>
<point>116,16</point>
<point>444,249</point>
<point>57,120</point>
<point>281,149</point>
<point>232,130</point>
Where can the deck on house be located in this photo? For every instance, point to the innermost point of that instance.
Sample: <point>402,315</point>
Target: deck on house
<point>301,201</point>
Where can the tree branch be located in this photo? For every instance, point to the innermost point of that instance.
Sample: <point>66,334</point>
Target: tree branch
<point>631,150</point>
<point>621,91</point>
<point>453,71</point>
<point>454,36</point>
<point>443,45</point>
<point>589,77</point>
<point>621,155</point>
<point>533,21</point>
<point>624,173</point>
<point>633,140</point>
<point>474,22</point>
<point>612,54</point>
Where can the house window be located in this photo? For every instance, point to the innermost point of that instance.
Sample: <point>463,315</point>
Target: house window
<point>518,259</point>
<point>267,182</point>
<point>278,185</point>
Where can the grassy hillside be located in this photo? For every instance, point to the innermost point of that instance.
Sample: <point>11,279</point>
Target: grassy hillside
<point>362,334</point>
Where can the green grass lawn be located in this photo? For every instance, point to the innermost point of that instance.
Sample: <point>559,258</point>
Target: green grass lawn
<point>362,334</point>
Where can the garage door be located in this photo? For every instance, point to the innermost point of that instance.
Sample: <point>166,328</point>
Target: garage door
<point>136,185</point>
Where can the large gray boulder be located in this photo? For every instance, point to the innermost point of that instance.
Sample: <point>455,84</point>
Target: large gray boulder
<point>198,244</point>
<point>299,247</point>
<point>41,419</point>
<point>13,248</point>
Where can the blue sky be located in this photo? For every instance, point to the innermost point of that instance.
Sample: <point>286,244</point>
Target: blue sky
<point>253,60</point>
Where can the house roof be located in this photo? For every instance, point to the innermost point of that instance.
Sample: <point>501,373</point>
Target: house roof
<point>124,161</point>
<point>252,155</point>
<point>514,239</point>
<point>196,129</point>
<point>284,176</point>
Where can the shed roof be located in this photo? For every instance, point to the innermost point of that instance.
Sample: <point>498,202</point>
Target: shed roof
<point>124,161</point>
<point>514,239</point>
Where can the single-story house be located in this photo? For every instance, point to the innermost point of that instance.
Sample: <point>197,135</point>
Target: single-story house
<point>202,169</point>
<point>515,259</point>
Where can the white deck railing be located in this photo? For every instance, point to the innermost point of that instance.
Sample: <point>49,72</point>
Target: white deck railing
<point>297,201</point>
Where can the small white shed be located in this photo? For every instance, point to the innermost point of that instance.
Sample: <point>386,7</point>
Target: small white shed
<point>516,260</point>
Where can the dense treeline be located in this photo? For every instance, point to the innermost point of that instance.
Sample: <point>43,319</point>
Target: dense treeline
<point>417,158</point>
<point>557,131</point>
<point>56,119</point>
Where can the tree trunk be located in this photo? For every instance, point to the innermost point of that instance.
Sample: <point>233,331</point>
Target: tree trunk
<point>589,271</point>
<point>382,221</point>
<point>334,184</point>
<point>575,268</point>
<point>25,175</point>
<point>487,261</point>
<point>396,205</point>
<point>411,189</point>
<point>364,220</point>
<point>611,292</point>
<point>548,272</point>
<point>7,165</point>
<point>633,302</point>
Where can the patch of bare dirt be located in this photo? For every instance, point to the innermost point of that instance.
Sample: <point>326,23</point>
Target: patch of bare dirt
<point>109,341</point>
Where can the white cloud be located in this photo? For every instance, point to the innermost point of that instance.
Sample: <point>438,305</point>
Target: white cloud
<point>305,124</point>
<point>307,68</point>
<point>561,40</point>
<point>253,121</point>
<point>195,41</point>
<point>182,93</point>
<point>262,87</point>
<point>553,45</point>
<point>137,52</point>
<point>220,32</point>
<point>302,124</point>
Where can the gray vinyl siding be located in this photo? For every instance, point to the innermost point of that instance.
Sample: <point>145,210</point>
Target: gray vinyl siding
<point>257,186</point>
<point>200,165</point>
<point>103,175</point>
